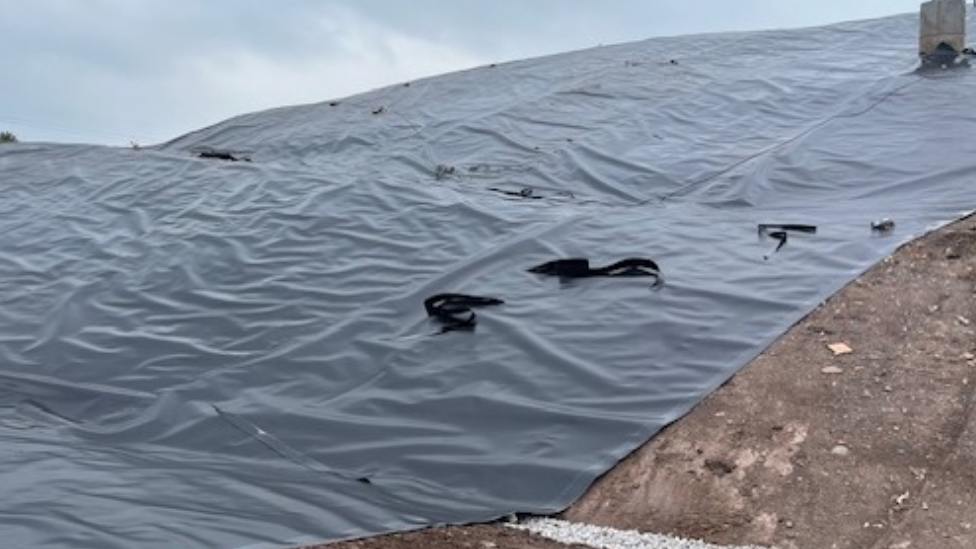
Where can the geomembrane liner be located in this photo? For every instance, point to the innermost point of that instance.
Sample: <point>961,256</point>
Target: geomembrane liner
<point>202,352</point>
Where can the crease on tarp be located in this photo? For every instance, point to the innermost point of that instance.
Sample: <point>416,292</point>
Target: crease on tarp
<point>14,378</point>
<point>375,481</point>
<point>786,142</point>
<point>284,450</point>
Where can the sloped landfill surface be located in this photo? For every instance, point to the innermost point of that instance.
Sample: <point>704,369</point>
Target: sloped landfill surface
<point>198,352</point>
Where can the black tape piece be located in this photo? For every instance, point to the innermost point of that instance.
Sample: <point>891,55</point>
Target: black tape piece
<point>580,268</point>
<point>525,192</point>
<point>781,232</point>
<point>529,193</point>
<point>455,311</point>
<point>222,155</point>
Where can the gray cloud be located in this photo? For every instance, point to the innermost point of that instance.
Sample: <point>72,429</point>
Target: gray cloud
<point>110,70</point>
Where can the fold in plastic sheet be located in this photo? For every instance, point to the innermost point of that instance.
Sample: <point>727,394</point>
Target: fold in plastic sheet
<point>199,353</point>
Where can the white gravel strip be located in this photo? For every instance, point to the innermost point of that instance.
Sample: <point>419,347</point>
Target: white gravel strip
<point>609,538</point>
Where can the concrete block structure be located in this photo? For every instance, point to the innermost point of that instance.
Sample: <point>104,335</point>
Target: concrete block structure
<point>942,22</point>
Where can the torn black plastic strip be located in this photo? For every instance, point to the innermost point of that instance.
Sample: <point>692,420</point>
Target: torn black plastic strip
<point>781,236</point>
<point>766,227</point>
<point>780,232</point>
<point>580,268</point>
<point>222,155</point>
<point>525,192</point>
<point>529,193</point>
<point>455,311</point>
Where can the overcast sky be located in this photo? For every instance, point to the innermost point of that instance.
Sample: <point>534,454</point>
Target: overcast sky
<point>111,71</point>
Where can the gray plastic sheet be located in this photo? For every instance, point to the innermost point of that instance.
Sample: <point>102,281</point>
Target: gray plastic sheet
<point>199,353</point>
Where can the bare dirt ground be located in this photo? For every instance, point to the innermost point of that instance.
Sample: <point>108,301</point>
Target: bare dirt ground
<point>808,449</point>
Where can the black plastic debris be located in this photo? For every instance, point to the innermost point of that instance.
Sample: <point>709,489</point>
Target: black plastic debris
<point>524,192</point>
<point>443,171</point>
<point>529,193</point>
<point>580,268</point>
<point>222,155</point>
<point>780,232</point>
<point>456,311</point>
<point>944,56</point>
<point>883,225</point>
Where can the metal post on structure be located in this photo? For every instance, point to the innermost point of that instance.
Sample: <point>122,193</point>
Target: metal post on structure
<point>942,25</point>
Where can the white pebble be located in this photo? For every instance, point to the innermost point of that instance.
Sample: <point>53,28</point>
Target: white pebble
<point>609,538</point>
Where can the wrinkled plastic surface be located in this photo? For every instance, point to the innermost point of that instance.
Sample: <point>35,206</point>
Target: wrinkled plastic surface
<point>200,353</point>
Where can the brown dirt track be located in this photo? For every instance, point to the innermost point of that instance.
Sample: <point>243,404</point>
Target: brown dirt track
<point>875,449</point>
